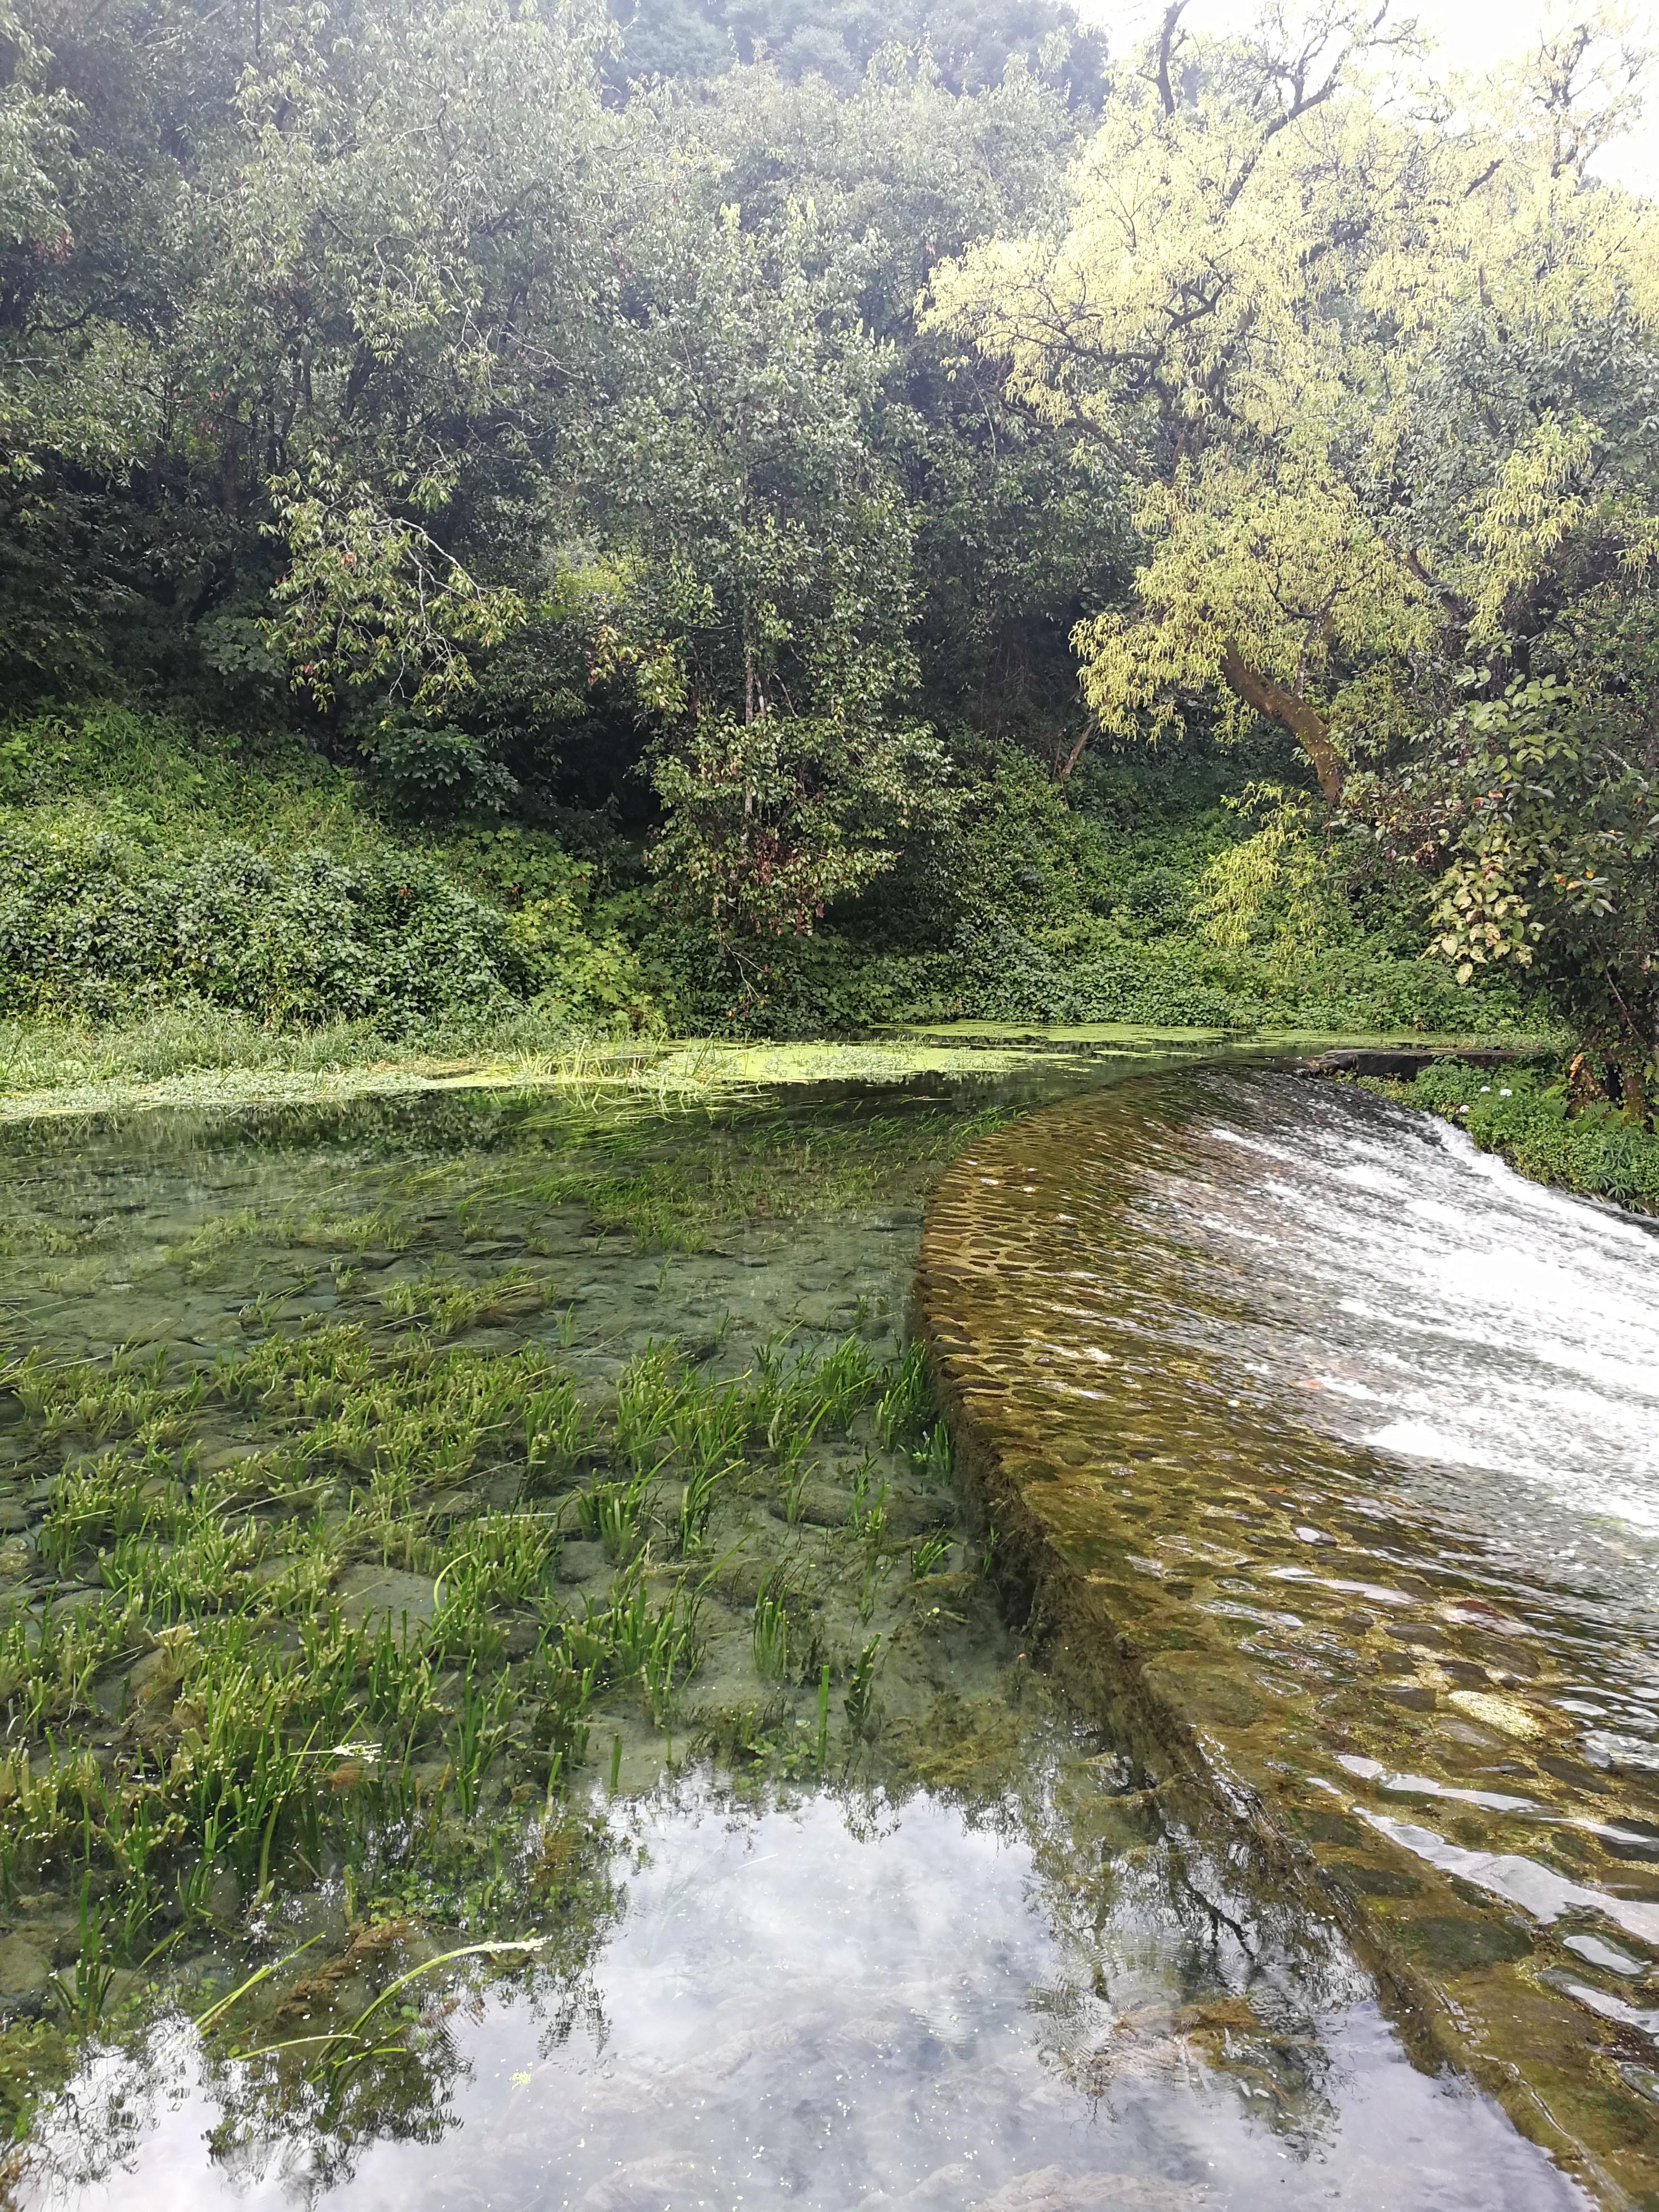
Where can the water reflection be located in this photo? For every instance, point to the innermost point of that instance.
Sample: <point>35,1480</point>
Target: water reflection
<point>867,2003</point>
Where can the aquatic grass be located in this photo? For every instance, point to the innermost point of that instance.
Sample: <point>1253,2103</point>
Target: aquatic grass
<point>504,1559</point>
<point>822,1390</point>
<point>706,1424</point>
<point>558,1430</point>
<point>609,1515</point>
<point>902,1408</point>
<point>876,1572</point>
<point>564,1693</point>
<point>793,1467</point>
<point>82,1996</point>
<point>820,1739</point>
<point>445,1304</point>
<point>697,1497</point>
<point>934,1459</point>
<point>867,1514</point>
<point>206,1249</point>
<point>769,1634</point>
<point>222,1503</point>
<point>480,1732</point>
<point>858,1703</point>
<point>929,1557</point>
<point>628,1640</point>
<point>652,1389</point>
<point>49,1659</point>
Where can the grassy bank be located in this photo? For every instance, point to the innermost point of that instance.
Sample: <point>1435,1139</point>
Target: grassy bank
<point>1526,1116</point>
<point>185,888</point>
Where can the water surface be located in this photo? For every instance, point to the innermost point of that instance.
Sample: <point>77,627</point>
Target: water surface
<point>1352,1431</point>
<point>970,1953</point>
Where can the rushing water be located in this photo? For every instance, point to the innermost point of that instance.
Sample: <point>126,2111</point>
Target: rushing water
<point>991,1959</point>
<point>1498,1338</point>
<point>1353,1430</point>
<point>1494,1344</point>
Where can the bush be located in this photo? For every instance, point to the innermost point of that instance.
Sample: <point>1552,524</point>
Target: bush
<point>91,925</point>
<point>147,866</point>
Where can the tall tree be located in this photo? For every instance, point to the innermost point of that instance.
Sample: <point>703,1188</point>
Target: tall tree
<point>1265,287</point>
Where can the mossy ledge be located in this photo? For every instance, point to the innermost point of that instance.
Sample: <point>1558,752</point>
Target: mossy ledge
<point>1156,1670</point>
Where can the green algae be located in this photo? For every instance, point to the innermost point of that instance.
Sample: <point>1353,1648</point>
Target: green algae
<point>68,1075</point>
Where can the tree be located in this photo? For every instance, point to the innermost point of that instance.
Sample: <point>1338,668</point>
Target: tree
<point>1538,813</point>
<point>969,43</point>
<point>1261,304</point>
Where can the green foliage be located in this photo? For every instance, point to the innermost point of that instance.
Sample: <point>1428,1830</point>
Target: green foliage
<point>970,42</point>
<point>770,820</point>
<point>1540,811</point>
<point>720,486</point>
<point>1244,301</point>
<point>93,924</point>
<point>1032,906</point>
<point>158,867</point>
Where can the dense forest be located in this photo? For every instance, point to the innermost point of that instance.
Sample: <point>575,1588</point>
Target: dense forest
<point>777,517</point>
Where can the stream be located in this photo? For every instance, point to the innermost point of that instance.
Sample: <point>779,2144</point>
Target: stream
<point>1352,1431</point>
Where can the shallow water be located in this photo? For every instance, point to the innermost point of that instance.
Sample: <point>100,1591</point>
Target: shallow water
<point>1453,1315</point>
<point>1493,1343</point>
<point>985,1964</point>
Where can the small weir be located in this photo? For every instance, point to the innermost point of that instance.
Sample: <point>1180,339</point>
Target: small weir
<point>1332,1449</point>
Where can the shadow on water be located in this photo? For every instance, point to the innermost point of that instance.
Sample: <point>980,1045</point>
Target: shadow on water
<point>486,1526</point>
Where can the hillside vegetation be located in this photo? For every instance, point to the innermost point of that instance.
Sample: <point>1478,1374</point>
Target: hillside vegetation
<point>763,522</point>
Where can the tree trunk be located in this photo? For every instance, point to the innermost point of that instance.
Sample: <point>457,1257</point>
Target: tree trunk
<point>1063,768</point>
<point>1635,1105</point>
<point>1305,723</point>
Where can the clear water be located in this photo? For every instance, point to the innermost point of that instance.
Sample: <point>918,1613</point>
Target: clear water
<point>1352,1433</point>
<point>1423,1299</point>
<point>1494,1342</point>
<point>1000,1972</point>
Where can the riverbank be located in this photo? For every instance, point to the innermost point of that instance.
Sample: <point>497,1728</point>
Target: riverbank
<point>204,1057</point>
<point>1523,1115</point>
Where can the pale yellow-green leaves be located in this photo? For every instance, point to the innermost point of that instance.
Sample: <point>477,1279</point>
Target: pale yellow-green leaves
<point>1548,491</point>
<point>1205,264</point>
<point>1254,311</point>
<point>1272,888</point>
<point>1541,495</point>
<point>1286,568</point>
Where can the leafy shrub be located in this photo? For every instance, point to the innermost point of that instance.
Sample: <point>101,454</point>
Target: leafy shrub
<point>92,925</point>
<point>146,864</point>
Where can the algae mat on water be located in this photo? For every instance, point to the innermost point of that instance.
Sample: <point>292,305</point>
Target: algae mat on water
<point>1399,1689</point>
